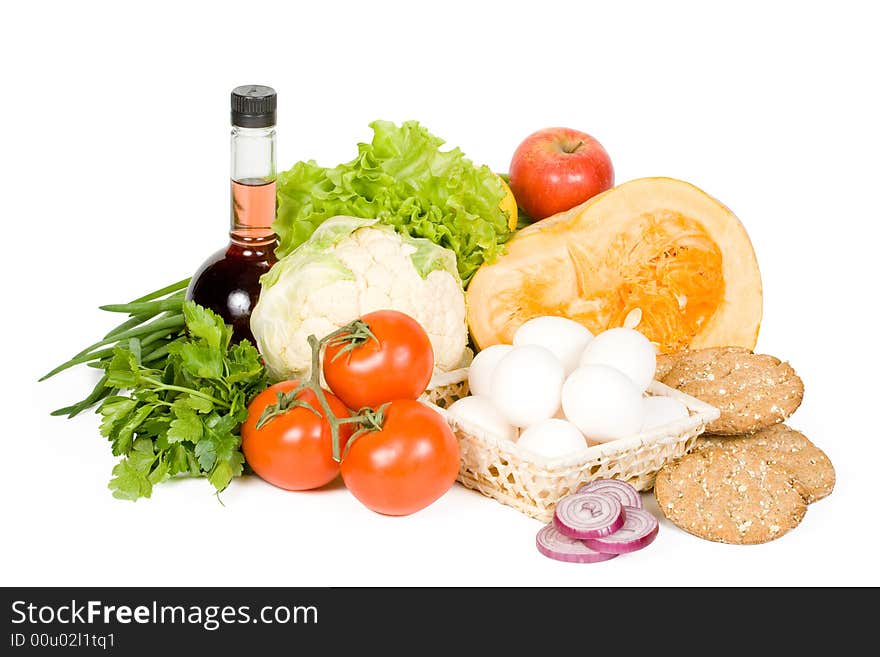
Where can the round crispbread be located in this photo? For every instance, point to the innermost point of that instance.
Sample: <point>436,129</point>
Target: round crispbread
<point>809,467</point>
<point>752,391</point>
<point>729,496</point>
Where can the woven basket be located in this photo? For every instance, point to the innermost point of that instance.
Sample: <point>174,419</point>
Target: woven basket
<point>532,484</point>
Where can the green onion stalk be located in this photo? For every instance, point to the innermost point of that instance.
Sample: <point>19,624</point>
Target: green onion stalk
<point>155,320</point>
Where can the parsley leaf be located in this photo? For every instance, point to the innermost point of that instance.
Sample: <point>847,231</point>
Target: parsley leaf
<point>114,410</point>
<point>226,469</point>
<point>244,363</point>
<point>124,370</point>
<point>202,323</point>
<point>185,426</point>
<point>128,482</point>
<point>200,360</point>
<point>124,436</point>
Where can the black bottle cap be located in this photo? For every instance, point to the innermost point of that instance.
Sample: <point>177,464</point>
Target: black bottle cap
<point>253,106</point>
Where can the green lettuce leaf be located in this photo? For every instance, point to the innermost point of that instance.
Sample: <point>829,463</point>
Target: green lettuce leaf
<point>428,256</point>
<point>404,180</point>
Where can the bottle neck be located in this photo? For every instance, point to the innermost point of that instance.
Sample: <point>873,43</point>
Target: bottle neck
<point>253,185</point>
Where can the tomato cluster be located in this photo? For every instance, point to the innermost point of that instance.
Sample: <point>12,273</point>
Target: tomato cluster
<point>396,455</point>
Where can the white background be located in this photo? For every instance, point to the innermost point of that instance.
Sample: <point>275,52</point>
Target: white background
<point>114,162</point>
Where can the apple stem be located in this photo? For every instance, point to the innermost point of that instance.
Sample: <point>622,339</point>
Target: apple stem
<point>569,149</point>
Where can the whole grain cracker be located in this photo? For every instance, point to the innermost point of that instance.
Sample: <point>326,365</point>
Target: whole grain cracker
<point>810,468</point>
<point>729,496</point>
<point>752,391</point>
<point>665,363</point>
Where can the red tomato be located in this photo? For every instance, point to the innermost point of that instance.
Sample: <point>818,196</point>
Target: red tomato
<point>407,465</point>
<point>293,450</point>
<point>397,365</point>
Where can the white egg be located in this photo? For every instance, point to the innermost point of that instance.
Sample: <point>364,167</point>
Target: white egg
<point>481,413</point>
<point>626,350</point>
<point>481,368</point>
<point>603,403</point>
<point>662,410</point>
<point>527,384</point>
<point>553,438</point>
<point>564,337</point>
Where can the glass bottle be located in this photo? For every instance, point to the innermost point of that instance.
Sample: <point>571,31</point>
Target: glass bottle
<point>229,281</point>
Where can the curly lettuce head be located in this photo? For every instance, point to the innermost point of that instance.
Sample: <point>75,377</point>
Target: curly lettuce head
<point>402,179</point>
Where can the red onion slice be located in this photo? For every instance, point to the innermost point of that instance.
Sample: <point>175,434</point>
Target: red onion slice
<point>638,531</point>
<point>587,515</point>
<point>623,492</point>
<point>551,543</point>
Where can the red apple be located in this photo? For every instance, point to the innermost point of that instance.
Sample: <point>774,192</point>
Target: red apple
<point>555,169</point>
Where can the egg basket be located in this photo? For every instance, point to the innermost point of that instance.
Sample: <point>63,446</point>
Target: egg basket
<point>529,483</point>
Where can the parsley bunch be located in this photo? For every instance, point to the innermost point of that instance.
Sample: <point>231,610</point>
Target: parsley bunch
<point>184,418</point>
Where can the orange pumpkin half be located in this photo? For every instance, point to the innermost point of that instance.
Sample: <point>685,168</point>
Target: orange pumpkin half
<point>655,244</point>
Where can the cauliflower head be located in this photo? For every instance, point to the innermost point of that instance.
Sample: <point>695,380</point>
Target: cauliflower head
<point>350,267</point>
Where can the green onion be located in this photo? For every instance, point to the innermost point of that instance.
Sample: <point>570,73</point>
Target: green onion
<point>155,320</point>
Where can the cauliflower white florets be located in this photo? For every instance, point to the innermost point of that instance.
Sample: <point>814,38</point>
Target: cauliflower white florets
<point>350,267</point>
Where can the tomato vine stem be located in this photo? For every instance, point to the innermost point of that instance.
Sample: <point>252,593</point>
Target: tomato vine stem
<point>350,336</point>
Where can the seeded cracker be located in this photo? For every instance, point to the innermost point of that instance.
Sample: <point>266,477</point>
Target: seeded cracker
<point>752,391</point>
<point>780,445</point>
<point>729,497</point>
<point>665,363</point>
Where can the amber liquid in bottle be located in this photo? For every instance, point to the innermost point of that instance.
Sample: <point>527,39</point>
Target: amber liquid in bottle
<point>229,281</point>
